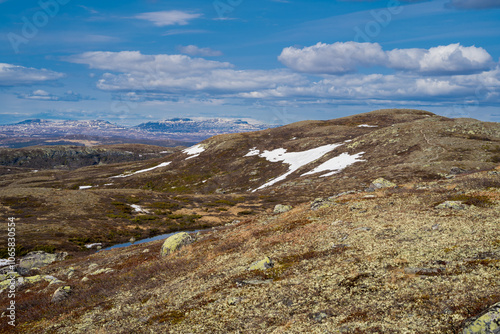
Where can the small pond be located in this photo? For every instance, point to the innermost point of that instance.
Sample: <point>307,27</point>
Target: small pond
<point>158,237</point>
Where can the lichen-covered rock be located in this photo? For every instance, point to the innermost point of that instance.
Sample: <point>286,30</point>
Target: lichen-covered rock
<point>382,183</point>
<point>280,208</point>
<point>455,205</point>
<point>61,294</point>
<point>263,264</point>
<point>320,203</point>
<point>487,322</point>
<point>176,242</point>
<point>102,271</point>
<point>38,259</point>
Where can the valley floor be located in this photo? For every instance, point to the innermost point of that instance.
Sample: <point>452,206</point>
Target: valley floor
<point>387,261</point>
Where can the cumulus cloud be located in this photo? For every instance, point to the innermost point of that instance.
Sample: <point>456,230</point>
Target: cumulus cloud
<point>446,59</point>
<point>474,4</point>
<point>168,18</point>
<point>193,50</point>
<point>337,58</point>
<point>12,75</point>
<point>177,73</point>
<point>341,58</point>
<point>43,95</point>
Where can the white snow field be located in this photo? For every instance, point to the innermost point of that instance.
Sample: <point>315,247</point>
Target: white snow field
<point>336,164</point>
<point>296,160</point>
<point>163,164</point>
<point>193,151</point>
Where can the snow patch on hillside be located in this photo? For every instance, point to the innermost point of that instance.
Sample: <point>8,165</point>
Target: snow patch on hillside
<point>163,164</point>
<point>138,208</point>
<point>296,160</point>
<point>194,151</point>
<point>367,126</point>
<point>336,164</point>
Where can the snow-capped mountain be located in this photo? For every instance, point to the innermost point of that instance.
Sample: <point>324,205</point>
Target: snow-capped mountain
<point>203,125</point>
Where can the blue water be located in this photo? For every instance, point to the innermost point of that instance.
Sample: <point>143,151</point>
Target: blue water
<point>158,237</point>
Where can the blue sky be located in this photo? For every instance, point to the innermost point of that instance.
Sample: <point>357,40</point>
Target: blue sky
<point>277,61</point>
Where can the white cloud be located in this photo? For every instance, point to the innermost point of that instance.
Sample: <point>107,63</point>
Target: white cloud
<point>135,62</point>
<point>337,58</point>
<point>178,73</point>
<point>168,18</point>
<point>394,87</point>
<point>193,50</point>
<point>43,95</point>
<point>12,75</point>
<point>341,58</point>
<point>444,59</point>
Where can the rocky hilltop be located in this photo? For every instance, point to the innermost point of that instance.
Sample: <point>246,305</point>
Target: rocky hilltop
<point>384,222</point>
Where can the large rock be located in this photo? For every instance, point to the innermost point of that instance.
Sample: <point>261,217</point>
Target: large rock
<point>487,322</point>
<point>37,260</point>
<point>382,183</point>
<point>61,294</point>
<point>280,208</point>
<point>263,264</point>
<point>176,242</point>
<point>455,205</point>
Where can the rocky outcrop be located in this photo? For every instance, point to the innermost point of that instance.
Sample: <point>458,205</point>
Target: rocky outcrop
<point>280,208</point>
<point>176,242</point>
<point>37,260</point>
<point>487,322</point>
<point>61,294</point>
<point>382,183</point>
<point>263,264</point>
<point>455,205</point>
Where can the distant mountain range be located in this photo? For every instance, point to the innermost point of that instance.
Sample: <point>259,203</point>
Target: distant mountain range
<point>170,132</point>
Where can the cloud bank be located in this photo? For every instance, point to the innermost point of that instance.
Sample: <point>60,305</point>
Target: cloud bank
<point>12,75</point>
<point>348,57</point>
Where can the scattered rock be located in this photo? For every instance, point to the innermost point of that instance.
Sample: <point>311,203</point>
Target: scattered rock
<point>320,203</point>
<point>457,170</point>
<point>234,300</point>
<point>61,294</point>
<point>382,183</point>
<point>85,279</point>
<point>92,266</point>
<point>280,208</point>
<point>254,282</point>
<point>132,240</point>
<point>71,272</point>
<point>455,205</point>
<point>485,323</point>
<point>146,250</point>
<point>319,316</point>
<point>176,242</point>
<point>103,271</point>
<point>263,264</point>
<point>38,259</point>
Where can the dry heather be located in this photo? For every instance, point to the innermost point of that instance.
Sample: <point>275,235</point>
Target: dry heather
<point>374,262</point>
